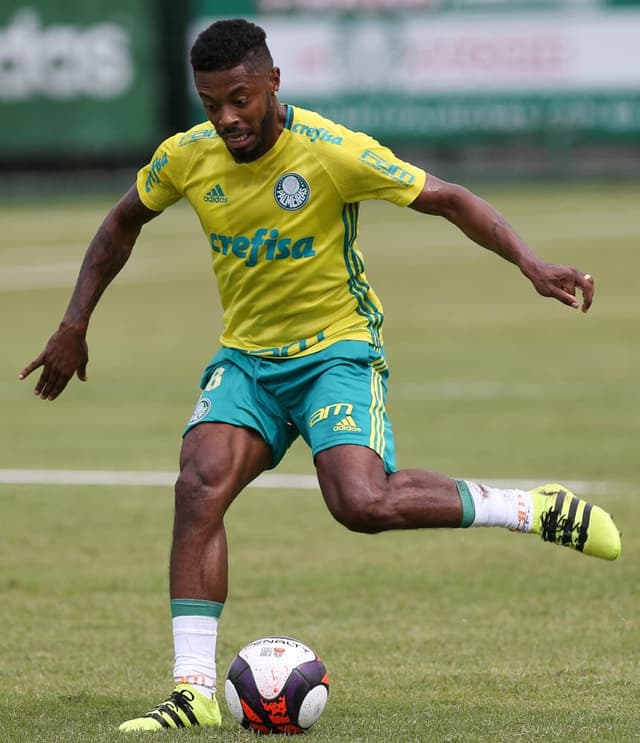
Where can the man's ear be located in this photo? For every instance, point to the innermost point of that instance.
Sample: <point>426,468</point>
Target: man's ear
<point>274,80</point>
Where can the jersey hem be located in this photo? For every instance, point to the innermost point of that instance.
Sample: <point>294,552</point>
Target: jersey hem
<point>276,353</point>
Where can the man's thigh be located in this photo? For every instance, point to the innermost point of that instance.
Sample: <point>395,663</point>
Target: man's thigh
<point>346,404</point>
<point>230,395</point>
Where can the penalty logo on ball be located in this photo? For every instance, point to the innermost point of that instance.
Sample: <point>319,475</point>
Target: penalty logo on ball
<point>277,685</point>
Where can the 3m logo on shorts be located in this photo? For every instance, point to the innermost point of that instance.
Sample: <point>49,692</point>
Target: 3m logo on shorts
<point>347,424</point>
<point>336,409</point>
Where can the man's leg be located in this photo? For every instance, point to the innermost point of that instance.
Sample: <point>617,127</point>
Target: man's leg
<point>364,498</point>
<point>217,461</point>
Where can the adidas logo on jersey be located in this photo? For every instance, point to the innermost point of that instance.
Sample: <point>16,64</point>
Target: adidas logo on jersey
<point>216,195</point>
<point>347,424</point>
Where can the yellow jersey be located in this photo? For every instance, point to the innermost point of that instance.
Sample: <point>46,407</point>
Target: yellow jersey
<point>283,228</point>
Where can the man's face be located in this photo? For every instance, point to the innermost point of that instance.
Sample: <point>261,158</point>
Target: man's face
<point>241,105</point>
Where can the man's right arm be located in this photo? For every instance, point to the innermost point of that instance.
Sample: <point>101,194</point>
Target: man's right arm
<point>66,352</point>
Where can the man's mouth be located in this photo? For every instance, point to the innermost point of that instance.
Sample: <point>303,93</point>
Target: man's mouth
<point>237,140</point>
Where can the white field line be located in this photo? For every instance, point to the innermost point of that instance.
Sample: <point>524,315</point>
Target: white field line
<point>270,481</point>
<point>59,276</point>
<point>137,479</point>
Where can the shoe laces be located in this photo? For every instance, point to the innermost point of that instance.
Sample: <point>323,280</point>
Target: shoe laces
<point>555,527</point>
<point>180,699</point>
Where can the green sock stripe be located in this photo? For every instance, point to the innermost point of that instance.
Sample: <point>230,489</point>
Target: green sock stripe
<point>195,608</point>
<point>468,508</point>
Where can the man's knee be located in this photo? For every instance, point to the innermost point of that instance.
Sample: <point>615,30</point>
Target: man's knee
<point>217,461</point>
<point>199,494</point>
<point>355,487</point>
<point>362,510</point>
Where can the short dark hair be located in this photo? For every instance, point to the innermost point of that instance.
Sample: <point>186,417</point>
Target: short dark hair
<point>229,43</point>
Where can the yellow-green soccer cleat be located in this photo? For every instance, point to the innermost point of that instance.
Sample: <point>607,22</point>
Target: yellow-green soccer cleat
<point>185,708</point>
<point>561,517</point>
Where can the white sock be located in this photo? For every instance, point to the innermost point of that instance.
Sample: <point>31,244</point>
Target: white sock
<point>511,508</point>
<point>194,642</point>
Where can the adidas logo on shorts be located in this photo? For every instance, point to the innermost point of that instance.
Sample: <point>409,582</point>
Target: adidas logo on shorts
<point>347,424</point>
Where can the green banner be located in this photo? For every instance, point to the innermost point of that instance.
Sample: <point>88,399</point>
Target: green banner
<point>251,7</point>
<point>77,77</point>
<point>451,119</point>
<point>457,69</point>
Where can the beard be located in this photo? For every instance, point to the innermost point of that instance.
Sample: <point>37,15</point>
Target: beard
<point>260,147</point>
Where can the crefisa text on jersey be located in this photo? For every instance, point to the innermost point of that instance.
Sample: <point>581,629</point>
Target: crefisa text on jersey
<point>266,244</point>
<point>316,134</point>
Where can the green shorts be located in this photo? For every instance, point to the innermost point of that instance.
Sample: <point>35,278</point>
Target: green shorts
<point>332,397</point>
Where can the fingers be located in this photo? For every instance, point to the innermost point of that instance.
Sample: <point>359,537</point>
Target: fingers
<point>43,384</point>
<point>565,287</point>
<point>30,367</point>
<point>82,373</point>
<point>587,286</point>
<point>65,354</point>
<point>585,283</point>
<point>51,385</point>
<point>567,297</point>
<point>52,381</point>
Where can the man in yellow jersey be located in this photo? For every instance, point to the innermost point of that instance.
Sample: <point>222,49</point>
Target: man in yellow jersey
<point>276,189</point>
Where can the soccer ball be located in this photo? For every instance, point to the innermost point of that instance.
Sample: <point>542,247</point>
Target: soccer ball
<point>277,685</point>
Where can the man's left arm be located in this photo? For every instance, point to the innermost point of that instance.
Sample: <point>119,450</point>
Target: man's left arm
<point>486,226</point>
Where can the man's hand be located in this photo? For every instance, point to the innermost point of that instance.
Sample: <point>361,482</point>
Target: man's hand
<point>65,354</point>
<point>561,283</point>
<point>484,224</point>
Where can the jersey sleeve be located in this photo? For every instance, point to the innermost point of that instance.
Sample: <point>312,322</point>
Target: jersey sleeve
<point>158,181</point>
<point>369,170</point>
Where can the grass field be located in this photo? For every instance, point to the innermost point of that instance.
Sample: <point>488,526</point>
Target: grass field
<point>478,635</point>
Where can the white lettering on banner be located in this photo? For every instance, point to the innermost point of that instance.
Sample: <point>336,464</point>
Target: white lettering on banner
<point>63,61</point>
<point>478,53</point>
<point>422,54</point>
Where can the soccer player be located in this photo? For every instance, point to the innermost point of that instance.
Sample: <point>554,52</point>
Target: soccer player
<point>276,189</point>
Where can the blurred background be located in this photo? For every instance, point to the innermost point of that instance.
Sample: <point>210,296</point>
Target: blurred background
<point>466,88</point>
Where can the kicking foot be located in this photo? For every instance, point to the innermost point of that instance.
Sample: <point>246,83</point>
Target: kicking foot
<point>561,517</point>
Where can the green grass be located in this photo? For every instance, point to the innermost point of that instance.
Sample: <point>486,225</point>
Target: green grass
<point>478,635</point>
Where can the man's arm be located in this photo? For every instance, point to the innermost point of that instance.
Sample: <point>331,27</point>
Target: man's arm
<point>66,352</point>
<point>484,224</point>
